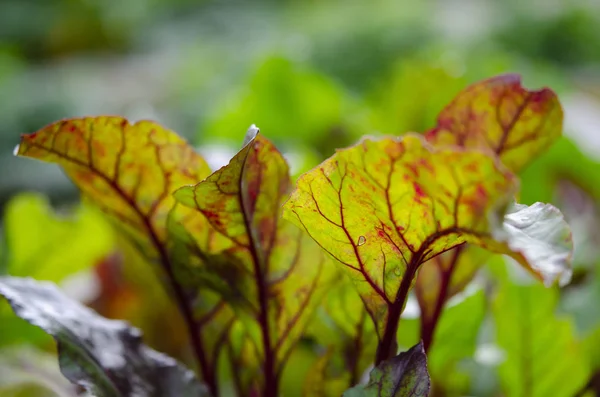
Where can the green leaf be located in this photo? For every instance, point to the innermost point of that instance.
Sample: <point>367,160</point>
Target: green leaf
<point>35,237</point>
<point>273,273</point>
<point>402,376</point>
<point>430,85</point>
<point>538,237</point>
<point>543,357</point>
<point>105,357</point>
<point>451,349</point>
<point>464,313</point>
<point>343,325</point>
<point>382,208</point>
<point>201,274</point>
<point>501,116</point>
<point>307,107</point>
<point>318,382</point>
<point>539,180</point>
<point>245,365</point>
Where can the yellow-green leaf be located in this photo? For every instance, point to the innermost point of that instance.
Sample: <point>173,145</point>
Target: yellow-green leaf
<point>273,272</point>
<point>36,237</point>
<point>542,356</point>
<point>500,115</point>
<point>383,207</point>
<point>128,170</point>
<point>343,324</point>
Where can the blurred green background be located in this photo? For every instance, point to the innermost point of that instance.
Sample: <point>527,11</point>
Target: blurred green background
<point>314,76</point>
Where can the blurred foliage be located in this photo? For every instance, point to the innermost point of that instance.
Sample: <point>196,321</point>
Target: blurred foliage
<point>538,344</point>
<point>35,235</point>
<point>314,76</point>
<point>34,247</point>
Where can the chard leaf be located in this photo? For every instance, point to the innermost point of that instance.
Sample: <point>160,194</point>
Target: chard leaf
<point>542,356</point>
<point>517,125</point>
<point>443,277</point>
<point>128,170</point>
<point>383,207</point>
<point>343,324</point>
<point>245,368</point>
<point>190,240</point>
<point>402,376</point>
<point>500,115</point>
<point>319,382</point>
<point>105,357</point>
<point>273,273</point>
<point>538,237</point>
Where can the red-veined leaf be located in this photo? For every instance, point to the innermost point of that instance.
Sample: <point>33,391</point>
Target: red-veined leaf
<point>274,271</point>
<point>500,115</point>
<point>130,172</point>
<point>381,208</point>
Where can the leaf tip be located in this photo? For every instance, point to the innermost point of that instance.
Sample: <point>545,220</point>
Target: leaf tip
<point>252,132</point>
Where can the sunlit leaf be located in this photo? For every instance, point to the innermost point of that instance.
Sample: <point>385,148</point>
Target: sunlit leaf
<point>542,357</point>
<point>272,273</point>
<point>106,357</point>
<point>402,376</point>
<point>128,170</point>
<point>500,115</point>
<point>381,208</point>
<point>200,273</point>
<point>591,346</point>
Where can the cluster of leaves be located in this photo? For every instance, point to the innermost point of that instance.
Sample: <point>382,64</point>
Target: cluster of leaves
<point>250,261</point>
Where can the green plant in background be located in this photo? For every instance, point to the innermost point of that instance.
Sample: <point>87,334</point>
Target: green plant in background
<point>374,222</point>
